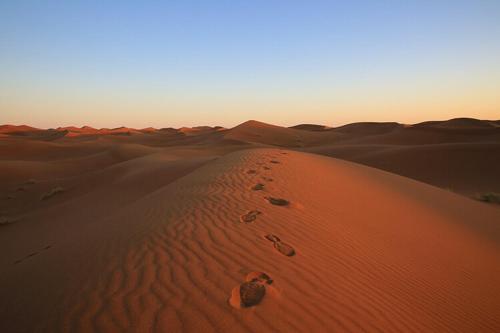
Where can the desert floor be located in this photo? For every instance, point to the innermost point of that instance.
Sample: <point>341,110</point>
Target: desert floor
<point>251,229</point>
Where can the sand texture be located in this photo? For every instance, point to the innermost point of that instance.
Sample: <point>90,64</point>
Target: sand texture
<point>139,236</point>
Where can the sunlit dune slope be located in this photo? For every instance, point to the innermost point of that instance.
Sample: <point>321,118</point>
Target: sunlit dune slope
<point>261,133</point>
<point>372,251</point>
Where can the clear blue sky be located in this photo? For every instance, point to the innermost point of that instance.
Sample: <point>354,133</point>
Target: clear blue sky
<point>173,63</point>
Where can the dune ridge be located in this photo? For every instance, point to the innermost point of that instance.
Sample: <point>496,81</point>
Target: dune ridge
<point>169,260</point>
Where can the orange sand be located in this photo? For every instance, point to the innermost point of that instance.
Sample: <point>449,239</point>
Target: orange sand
<point>147,235</point>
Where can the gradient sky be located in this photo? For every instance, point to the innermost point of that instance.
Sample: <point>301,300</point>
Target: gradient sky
<point>183,63</point>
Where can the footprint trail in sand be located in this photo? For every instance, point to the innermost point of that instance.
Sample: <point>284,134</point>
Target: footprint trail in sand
<point>250,216</point>
<point>282,248</point>
<point>258,187</point>
<point>251,292</point>
<point>277,201</point>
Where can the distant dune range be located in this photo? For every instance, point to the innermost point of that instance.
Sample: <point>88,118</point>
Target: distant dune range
<point>250,229</point>
<point>459,154</point>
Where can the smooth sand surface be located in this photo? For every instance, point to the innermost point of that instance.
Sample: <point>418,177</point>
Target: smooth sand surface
<point>168,232</point>
<point>466,168</point>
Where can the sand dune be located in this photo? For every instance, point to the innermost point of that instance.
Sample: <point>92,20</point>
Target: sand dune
<point>311,127</point>
<point>465,168</point>
<point>369,128</point>
<point>258,132</point>
<point>458,123</point>
<point>208,229</point>
<point>456,154</point>
<point>12,129</point>
<point>261,133</point>
<point>372,252</point>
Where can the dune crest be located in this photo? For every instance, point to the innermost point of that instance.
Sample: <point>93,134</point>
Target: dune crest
<point>374,251</point>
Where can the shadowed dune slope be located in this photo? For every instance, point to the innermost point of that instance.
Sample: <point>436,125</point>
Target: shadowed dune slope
<point>311,127</point>
<point>466,168</point>
<point>355,250</point>
<point>457,123</point>
<point>367,128</point>
<point>452,131</point>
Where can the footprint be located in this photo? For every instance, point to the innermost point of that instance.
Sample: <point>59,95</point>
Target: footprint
<point>266,168</point>
<point>267,179</point>
<point>251,292</point>
<point>251,172</point>
<point>258,187</point>
<point>284,153</point>
<point>258,277</point>
<point>277,201</point>
<point>272,238</point>
<point>5,220</point>
<point>51,193</point>
<point>250,216</point>
<point>282,248</point>
<point>32,255</point>
<point>275,162</point>
<point>26,257</point>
